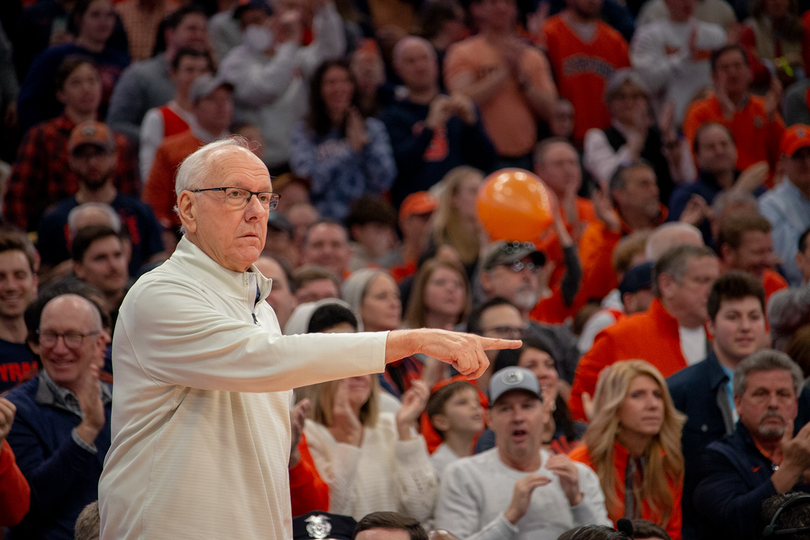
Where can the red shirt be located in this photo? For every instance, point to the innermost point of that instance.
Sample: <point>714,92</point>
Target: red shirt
<point>15,495</point>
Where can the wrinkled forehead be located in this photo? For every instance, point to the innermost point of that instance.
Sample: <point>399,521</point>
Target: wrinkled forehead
<point>238,167</point>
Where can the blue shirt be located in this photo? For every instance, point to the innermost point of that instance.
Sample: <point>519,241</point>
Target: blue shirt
<point>788,210</point>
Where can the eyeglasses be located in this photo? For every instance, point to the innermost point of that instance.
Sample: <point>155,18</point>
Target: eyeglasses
<point>518,266</point>
<point>513,247</point>
<point>73,340</point>
<point>504,331</point>
<point>238,198</point>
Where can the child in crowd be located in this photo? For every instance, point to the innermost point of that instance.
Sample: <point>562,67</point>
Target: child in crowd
<point>456,413</point>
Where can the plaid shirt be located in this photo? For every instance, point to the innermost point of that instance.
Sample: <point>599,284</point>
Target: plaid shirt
<point>41,175</point>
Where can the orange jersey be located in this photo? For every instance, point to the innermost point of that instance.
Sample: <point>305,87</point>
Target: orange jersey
<point>756,137</point>
<point>582,69</point>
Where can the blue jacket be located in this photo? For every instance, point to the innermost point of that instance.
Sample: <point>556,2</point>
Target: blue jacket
<point>736,480</point>
<point>63,475</point>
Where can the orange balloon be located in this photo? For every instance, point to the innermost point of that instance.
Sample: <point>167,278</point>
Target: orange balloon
<point>513,204</point>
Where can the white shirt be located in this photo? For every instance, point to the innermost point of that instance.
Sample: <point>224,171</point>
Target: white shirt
<point>200,420</point>
<point>693,344</point>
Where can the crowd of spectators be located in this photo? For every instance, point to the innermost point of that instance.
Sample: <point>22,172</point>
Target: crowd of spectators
<point>664,311</point>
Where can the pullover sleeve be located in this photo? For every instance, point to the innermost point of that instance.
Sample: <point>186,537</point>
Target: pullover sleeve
<point>256,83</point>
<point>15,495</point>
<point>416,481</point>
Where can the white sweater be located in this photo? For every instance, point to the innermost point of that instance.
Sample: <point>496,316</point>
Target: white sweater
<point>383,474</point>
<point>200,419</point>
<point>477,490</point>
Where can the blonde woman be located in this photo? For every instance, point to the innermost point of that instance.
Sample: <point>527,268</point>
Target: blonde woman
<point>634,441</point>
<point>455,222</point>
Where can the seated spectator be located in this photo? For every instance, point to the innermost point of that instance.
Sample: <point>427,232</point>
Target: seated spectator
<point>281,297</point>
<point>431,132</point>
<point>18,288</point>
<point>803,256</point>
<point>716,12</point>
<point>146,84</point>
<point>99,260</point>
<point>517,488</point>
<point>370,460</point>
<point>414,224</point>
<point>510,270</point>
<point>41,176</point>
<point>669,235</point>
<point>795,108</point>
<point>386,526</point>
<point>312,282</point>
<point>62,432</point>
<point>366,64</point>
<point>456,222</point>
<point>375,296</point>
<point>745,243</point>
<point>754,120</point>
<point>633,445</point>
<point>704,391</point>
<point>630,251</point>
<point>273,68</point>
<point>308,491</point>
<point>371,223</point>
<point>343,154</point>
<point>788,311</point>
<point>631,136</point>
<point>647,530</point>
<point>14,491</point>
<point>212,105</point>
<point>456,414</point>
<point>95,21</point>
<point>141,20</point>
<point>671,55</point>
<point>175,116</point>
<point>88,524</point>
<point>635,290</point>
<point>682,279</point>
<point>301,215</point>
<point>279,243</point>
<point>786,511</point>
<point>577,40</point>
<point>729,203</point>
<point>497,317</point>
<point>442,24</point>
<point>761,458</point>
<point>510,82</point>
<point>561,432</point>
<point>327,244</point>
<point>92,159</point>
<point>716,158</point>
<point>787,206</point>
<point>773,36</point>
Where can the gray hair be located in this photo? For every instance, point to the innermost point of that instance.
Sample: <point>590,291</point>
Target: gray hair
<point>767,360</point>
<point>621,76</point>
<point>669,235</point>
<point>731,197</point>
<point>196,167</point>
<point>75,215</point>
<point>675,261</point>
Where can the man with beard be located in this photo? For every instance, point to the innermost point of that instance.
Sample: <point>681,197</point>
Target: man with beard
<point>92,158</point>
<point>762,457</point>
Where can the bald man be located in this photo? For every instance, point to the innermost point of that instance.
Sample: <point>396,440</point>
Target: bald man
<point>62,431</point>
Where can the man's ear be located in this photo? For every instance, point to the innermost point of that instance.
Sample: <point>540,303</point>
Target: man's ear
<point>187,211</point>
<point>665,284</point>
<point>78,269</point>
<point>486,281</point>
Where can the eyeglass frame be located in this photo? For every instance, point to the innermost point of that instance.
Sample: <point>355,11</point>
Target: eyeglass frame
<point>274,197</point>
<point>518,266</point>
<point>56,335</point>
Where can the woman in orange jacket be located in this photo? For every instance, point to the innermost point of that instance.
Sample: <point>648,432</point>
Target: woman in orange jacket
<point>634,445</point>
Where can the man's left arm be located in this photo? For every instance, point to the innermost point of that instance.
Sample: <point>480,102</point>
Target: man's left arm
<point>537,85</point>
<point>329,39</point>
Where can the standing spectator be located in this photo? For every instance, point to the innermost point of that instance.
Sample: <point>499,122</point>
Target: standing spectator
<point>327,244</point>
<point>95,20</point>
<point>787,206</point>
<point>141,20</point>
<point>343,154</point>
<point>175,116</point>
<point>745,243</point>
<point>371,223</point>
<point>99,260</point>
<point>440,297</point>
<point>584,52</point>
<point>509,81</point>
<point>633,444</point>
<point>146,84</point>
<point>62,431</point>
<point>517,489</point>
<point>795,103</point>
<point>18,288</point>
<point>774,36</point>
<point>212,105</point>
<point>41,175</point>
<point>456,222</point>
<point>672,56</point>
<point>431,133</point>
<point>414,224</point>
<point>762,457</point>
<point>681,282</point>
<point>92,158</point>
<point>442,24</point>
<point>717,12</point>
<point>754,120</point>
<point>273,68</point>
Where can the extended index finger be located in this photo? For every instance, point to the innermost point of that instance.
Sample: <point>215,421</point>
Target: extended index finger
<point>495,344</point>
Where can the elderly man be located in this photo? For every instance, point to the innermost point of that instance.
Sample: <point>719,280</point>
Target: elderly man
<point>516,490</point>
<point>62,431</point>
<point>203,374</point>
<point>762,457</point>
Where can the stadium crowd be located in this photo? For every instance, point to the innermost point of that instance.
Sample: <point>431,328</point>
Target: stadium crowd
<point>664,310</point>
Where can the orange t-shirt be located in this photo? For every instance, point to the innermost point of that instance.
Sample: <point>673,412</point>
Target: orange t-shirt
<point>582,69</point>
<point>756,137</point>
<point>772,282</point>
<point>508,118</point>
<point>159,192</point>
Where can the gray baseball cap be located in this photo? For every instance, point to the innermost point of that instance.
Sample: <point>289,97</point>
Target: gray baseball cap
<point>509,252</point>
<point>204,85</point>
<point>513,378</point>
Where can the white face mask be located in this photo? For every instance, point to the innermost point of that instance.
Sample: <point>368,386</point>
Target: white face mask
<point>258,38</point>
